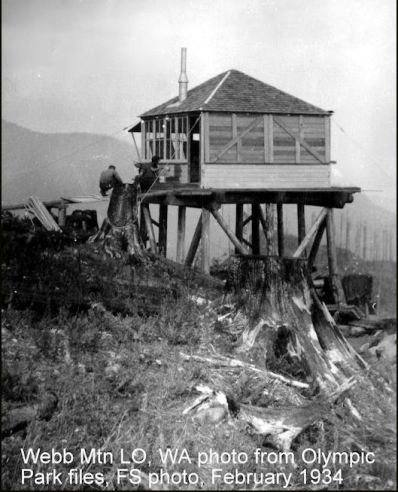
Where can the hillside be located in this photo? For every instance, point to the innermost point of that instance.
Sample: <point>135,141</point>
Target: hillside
<point>51,165</point>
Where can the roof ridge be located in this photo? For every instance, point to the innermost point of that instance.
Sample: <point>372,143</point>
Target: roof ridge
<point>237,91</point>
<point>217,87</point>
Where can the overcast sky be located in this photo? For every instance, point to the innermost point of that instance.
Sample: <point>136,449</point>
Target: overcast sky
<point>95,65</point>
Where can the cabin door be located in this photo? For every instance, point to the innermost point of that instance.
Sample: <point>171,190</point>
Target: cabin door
<point>194,150</point>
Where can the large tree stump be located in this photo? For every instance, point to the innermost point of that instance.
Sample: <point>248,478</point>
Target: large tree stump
<point>288,327</point>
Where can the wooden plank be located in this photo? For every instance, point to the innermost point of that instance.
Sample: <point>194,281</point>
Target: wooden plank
<point>62,213</point>
<point>202,158</point>
<point>252,125</point>
<point>315,245</point>
<point>163,209</point>
<point>181,234</point>
<point>301,141</point>
<point>246,221</point>
<point>234,135</point>
<point>149,227</point>
<point>265,135</point>
<point>205,117</point>
<point>327,138</point>
<point>224,226</point>
<point>270,138</point>
<point>205,240</point>
<point>281,239</point>
<point>143,139</point>
<point>194,243</point>
<point>239,223</point>
<point>313,229</point>
<point>267,176</point>
<point>301,134</point>
<point>255,230</point>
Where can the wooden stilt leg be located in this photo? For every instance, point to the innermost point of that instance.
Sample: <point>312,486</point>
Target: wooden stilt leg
<point>313,229</point>
<point>163,230</point>
<point>255,230</point>
<point>181,234</point>
<point>300,222</point>
<point>270,228</point>
<point>205,240</point>
<point>224,226</point>
<point>316,244</point>
<point>332,259</point>
<point>281,238</point>
<point>239,224</point>
<point>149,227</point>
<point>195,243</point>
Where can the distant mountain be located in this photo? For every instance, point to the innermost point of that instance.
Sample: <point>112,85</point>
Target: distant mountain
<point>51,165</point>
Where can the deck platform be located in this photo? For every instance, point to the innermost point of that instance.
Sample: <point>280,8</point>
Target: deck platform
<point>193,196</point>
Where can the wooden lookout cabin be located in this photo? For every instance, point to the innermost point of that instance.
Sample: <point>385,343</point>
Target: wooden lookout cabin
<point>234,139</point>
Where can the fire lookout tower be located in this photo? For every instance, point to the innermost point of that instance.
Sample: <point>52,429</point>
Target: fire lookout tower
<point>236,140</point>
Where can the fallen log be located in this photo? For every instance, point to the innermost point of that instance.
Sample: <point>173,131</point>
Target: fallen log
<point>280,426</point>
<point>223,361</point>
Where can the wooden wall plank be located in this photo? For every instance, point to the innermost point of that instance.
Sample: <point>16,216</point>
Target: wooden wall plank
<point>327,139</point>
<point>266,176</point>
<point>270,138</point>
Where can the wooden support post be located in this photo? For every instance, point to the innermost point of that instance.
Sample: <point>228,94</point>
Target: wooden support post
<point>62,214</point>
<point>281,237</point>
<point>224,226</point>
<point>315,245</point>
<point>270,229</point>
<point>205,240</point>
<point>332,259</point>
<point>313,229</point>
<point>300,222</point>
<point>181,234</point>
<point>261,216</point>
<point>195,243</point>
<point>149,227</point>
<point>255,230</point>
<point>163,230</point>
<point>239,224</point>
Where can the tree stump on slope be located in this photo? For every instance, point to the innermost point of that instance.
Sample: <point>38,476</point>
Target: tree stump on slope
<point>123,221</point>
<point>288,327</point>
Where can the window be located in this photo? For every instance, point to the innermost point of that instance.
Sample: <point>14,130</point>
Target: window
<point>167,138</point>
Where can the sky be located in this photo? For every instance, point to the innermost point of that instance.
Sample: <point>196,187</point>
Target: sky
<point>95,65</point>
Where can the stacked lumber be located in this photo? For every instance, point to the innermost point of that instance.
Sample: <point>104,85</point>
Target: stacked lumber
<point>37,208</point>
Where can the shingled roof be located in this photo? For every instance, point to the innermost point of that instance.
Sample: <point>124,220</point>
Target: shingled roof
<point>234,91</point>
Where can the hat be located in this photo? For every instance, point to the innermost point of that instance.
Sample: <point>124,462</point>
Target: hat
<point>155,159</point>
